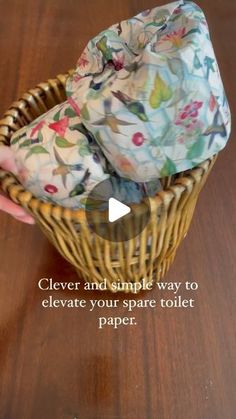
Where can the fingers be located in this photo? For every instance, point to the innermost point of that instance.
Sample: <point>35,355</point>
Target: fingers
<point>15,210</point>
<point>7,159</point>
<point>25,219</point>
<point>7,162</point>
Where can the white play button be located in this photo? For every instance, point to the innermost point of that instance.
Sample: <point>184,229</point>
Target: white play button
<point>112,217</point>
<point>116,210</point>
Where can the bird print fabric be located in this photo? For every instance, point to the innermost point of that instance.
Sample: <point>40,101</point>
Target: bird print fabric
<point>146,101</point>
<point>59,161</point>
<point>150,91</point>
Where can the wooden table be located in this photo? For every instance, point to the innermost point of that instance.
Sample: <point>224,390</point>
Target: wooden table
<point>56,363</point>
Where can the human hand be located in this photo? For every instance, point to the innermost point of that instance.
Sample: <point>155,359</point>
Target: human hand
<point>7,162</point>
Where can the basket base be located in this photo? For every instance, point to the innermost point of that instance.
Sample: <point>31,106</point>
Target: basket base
<point>139,284</point>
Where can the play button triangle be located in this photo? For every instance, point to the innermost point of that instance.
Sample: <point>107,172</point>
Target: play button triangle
<point>117,210</point>
<point>112,217</point>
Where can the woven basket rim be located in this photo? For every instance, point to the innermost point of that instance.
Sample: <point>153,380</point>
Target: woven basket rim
<point>26,198</point>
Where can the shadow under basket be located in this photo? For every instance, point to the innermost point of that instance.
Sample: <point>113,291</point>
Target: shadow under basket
<point>145,258</point>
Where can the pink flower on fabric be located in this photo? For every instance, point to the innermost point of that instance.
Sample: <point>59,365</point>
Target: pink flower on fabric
<point>118,63</point>
<point>74,105</point>
<point>138,139</point>
<point>77,77</point>
<point>177,11</point>
<point>175,37</point>
<point>37,128</point>
<point>188,113</point>
<point>60,126</point>
<point>50,189</point>
<point>82,61</point>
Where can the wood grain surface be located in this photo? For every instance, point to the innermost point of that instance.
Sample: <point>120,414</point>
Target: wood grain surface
<point>56,363</point>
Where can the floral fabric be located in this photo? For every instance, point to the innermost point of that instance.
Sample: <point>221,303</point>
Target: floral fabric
<point>150,91</point>
<point>57,158</point>
<point>59,161</point>
<point>146,101</point>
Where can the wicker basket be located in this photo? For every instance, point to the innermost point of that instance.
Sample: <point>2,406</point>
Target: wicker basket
<point>146,257</point>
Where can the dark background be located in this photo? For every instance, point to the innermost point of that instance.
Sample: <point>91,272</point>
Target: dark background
<point>176,363</point>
